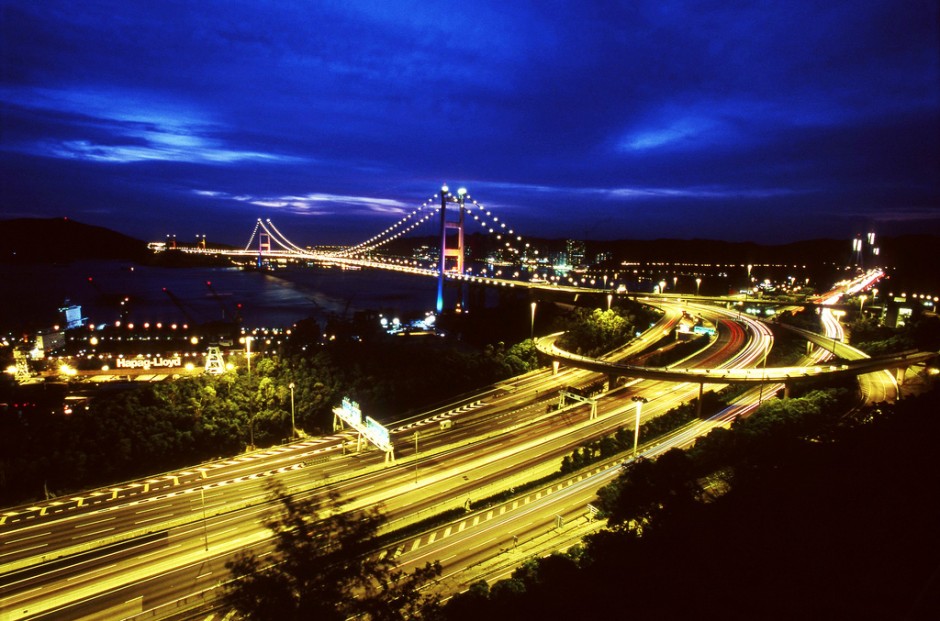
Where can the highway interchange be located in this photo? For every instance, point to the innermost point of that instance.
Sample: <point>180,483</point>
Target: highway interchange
<point>158,546</point>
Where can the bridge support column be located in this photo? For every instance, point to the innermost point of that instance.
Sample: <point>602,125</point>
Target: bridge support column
<point>786,390</point>
<point>555,365</point>
<point>264,245</point>
<point>456,253</point>
<point>809,347</point>
<point>701,393</point>
<point>900,375</point>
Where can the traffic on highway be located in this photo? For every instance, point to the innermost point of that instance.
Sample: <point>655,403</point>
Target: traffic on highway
<point>160,545</point>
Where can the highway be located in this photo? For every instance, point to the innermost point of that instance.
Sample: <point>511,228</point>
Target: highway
<point>528,526</point>
<point>499,438</point>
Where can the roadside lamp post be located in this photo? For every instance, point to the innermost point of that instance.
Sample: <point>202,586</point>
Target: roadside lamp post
<point>636,428</point>
<point>698,282</point>
<point>662,286</point>
<point>416,458</point>
<point>532,323</point>
<point>205,531</point>
<point>293,425</point>
<point>610,298</point>
<point>248,354</point>
<point>675,282</point>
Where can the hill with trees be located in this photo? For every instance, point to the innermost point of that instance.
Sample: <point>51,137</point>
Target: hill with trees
<point>26,240</point>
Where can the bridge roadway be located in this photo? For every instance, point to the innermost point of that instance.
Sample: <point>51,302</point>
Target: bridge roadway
<point>743,375</point>
<point>403,265</point>
<point>452,466</point>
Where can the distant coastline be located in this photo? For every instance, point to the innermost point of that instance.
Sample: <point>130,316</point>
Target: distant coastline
<point>910,258</point>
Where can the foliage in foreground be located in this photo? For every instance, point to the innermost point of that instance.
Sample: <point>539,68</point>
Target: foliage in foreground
<point>324,567</point>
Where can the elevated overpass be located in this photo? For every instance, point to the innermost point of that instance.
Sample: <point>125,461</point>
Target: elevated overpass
<point>785,375</point>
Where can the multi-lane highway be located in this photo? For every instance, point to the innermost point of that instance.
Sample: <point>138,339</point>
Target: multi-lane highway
<point>172,534</point>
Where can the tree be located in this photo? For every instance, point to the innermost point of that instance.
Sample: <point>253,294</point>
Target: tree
<point>325,567</point>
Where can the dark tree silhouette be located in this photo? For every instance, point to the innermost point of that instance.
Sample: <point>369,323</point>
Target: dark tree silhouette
<point>325,567</point>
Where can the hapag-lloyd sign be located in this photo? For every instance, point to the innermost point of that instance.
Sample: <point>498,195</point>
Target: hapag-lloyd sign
<point>148,363</point>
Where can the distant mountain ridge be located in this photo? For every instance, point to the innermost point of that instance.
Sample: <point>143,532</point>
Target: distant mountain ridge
<point>32,240</point>
<point>39,240</point>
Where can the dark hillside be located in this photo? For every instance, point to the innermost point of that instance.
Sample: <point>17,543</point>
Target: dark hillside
<point>30,240</point>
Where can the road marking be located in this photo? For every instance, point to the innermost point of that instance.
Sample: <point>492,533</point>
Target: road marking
<point>150,519</point>
<point>160,551</point>
<point>447,532</point>
<point>97,532</point>
<point>107,519</point>
<point>462,526</point>
<point>97,569</point>
<point>30,537</point>
<point>432,537</point>
<point>41,545</point>
<point>414,546</point>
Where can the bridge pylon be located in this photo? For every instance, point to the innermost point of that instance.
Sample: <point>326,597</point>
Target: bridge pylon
<point>264,245</point>
<point>456,254</point>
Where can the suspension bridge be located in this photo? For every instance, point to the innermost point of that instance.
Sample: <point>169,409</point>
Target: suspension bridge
<point>455,210</point>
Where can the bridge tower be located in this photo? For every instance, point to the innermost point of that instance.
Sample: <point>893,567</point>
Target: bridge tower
<point>447,226</point>
<point>264,245</point>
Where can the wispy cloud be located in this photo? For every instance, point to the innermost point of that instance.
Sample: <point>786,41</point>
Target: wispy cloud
<point>117,127</point>
<point>683,132</point>
<point>319,204</point>
<point>640,192</point>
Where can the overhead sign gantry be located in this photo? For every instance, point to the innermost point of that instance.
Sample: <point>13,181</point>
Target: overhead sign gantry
<point>348,412</point>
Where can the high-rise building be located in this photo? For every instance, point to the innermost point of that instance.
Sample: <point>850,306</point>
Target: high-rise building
<point>575,250</point>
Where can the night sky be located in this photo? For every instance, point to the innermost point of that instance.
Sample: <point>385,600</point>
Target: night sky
<point>764,121</point>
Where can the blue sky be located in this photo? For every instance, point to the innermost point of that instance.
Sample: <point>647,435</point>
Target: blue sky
<point>763,121</point>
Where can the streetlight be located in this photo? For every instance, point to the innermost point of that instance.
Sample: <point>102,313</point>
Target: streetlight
<point>532,324</point>
<point>610,298</point>
<point>675,282</point>
<point>416,458</point>
<point>636,429</point>
<point>293,425</point>
<point>248,354</point>
<point>205,532</point>
<point>662,286</point>
<point>698,282</point>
